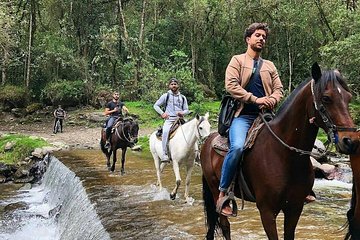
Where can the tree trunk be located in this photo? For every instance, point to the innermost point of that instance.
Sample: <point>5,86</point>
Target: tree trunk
<point>28,64</point>
<point>139,58</point>
<point>288,43</point>
<point>4,66</point>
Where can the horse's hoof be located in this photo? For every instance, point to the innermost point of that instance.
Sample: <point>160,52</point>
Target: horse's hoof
<point>122,172</point>
<point>172,196</point>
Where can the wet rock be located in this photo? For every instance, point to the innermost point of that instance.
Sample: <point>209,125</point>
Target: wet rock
<point>23,171</point>
<point>319,148</point>
<point>55,212</point>
<point>2,179</point>
<point>28,179</point>
<point>7,170</point>
<point>324,170</point>
<point>15,206</point>
<point>38,152</point>
<point>136,148</point>
<point>27,186</point>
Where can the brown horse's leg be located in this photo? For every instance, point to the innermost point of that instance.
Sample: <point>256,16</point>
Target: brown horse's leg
<point>105,150</point>
<point>268,219</point>
<point>212,217</point>
<point>114,161</point>
<point>123,152</point>
<point>225,227</point>
<point>291,217</point>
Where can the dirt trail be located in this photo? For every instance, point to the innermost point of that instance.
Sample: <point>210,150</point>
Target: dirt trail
<point>73,136</point>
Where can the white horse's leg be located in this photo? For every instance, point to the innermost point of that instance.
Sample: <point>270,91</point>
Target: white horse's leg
<point>178,179</point>
<point>189,168</point>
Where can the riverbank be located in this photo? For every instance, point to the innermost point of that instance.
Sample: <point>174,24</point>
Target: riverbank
<point>78,131</point>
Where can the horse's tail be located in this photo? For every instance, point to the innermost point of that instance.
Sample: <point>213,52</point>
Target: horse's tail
<point>212,217</point>
<point>352,233</point>
<point>102,142</point>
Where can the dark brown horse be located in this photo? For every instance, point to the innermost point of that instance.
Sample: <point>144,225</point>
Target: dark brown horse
<point>124,136</point>
<point>353,214</point>
<point>278,176</point>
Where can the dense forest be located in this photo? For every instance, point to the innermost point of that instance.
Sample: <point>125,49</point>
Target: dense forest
<point>75,52</point>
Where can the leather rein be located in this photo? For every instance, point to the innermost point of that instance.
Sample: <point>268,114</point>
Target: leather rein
<point>331,132</point>
<point>129,138</point>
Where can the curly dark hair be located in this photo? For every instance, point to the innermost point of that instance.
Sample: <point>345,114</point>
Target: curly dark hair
<point>255,26</point>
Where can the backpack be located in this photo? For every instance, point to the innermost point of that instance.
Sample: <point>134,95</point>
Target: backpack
<point>167,99</point>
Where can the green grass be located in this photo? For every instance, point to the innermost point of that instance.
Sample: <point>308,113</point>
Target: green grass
<point>23,147</point>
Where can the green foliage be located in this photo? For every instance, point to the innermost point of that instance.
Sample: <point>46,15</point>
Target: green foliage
<point>355,113</point>
<point>23,147</point>
<point>33,107</point>
<point>155,79</point>
<point>147,116</point>
<point>67,93</point>
<point>144,142</point>
<point>13,96</point>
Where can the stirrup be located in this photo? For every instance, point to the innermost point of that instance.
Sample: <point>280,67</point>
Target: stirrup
<point>227,198</point>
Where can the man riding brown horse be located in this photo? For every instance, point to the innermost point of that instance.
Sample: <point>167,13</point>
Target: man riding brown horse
<point>114,110</point>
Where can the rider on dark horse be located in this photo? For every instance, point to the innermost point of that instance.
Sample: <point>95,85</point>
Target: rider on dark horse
<point>256,84</point>
<point>114,110</point>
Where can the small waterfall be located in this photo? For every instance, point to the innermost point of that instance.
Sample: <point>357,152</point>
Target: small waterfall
<point>60,205</point>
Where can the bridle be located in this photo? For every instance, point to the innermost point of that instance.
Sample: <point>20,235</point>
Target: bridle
<point>197,128</point>
<point>126,137</point>
<point>331,129</point>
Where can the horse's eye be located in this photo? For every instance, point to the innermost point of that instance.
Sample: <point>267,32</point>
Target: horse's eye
<point>200,128</point>
<point>326,99</point>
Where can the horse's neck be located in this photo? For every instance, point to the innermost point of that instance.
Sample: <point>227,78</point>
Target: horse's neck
<point>293,124</point>
<point>188,131</point>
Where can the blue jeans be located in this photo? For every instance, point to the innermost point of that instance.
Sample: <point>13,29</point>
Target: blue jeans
<point>109,125</point>
<point>237,136</point>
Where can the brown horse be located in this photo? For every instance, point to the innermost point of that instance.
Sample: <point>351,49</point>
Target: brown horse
<point>277,169</point>
<point>124,136</point>
<point>353,214</point>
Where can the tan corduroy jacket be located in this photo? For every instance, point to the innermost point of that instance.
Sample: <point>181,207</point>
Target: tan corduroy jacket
<point>238,74</point>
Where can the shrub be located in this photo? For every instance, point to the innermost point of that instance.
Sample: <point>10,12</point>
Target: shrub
<point>66,93</point>
<point>33,108</point>
<point>13,97</point>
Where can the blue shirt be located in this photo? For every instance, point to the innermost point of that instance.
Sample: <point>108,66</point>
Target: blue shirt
<point>256,87</point>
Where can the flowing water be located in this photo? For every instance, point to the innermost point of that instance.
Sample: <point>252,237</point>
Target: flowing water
<point>88,202</point>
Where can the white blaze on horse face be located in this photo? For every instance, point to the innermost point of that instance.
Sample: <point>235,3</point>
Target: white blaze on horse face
<point>339,90</point>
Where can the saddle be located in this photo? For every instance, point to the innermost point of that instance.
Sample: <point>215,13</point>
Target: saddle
<point>220,145</point>
<point>173,128</point>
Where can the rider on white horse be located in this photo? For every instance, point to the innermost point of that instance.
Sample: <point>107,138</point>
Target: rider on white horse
<point>175,105</point>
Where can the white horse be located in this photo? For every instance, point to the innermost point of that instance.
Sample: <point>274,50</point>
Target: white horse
<point>183,148</point>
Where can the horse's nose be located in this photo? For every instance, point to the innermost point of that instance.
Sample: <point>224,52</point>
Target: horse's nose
<point>348,146</point>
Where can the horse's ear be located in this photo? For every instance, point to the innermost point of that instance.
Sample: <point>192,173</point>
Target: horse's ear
<point>206,115</point>
<point>316,71</point>
<point>197,116</point>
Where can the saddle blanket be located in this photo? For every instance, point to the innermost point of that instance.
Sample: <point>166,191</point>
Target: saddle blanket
<point>221,144</point>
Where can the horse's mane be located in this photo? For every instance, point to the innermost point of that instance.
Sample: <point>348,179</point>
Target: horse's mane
<point>327,76</point>
<point>290,98</point>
